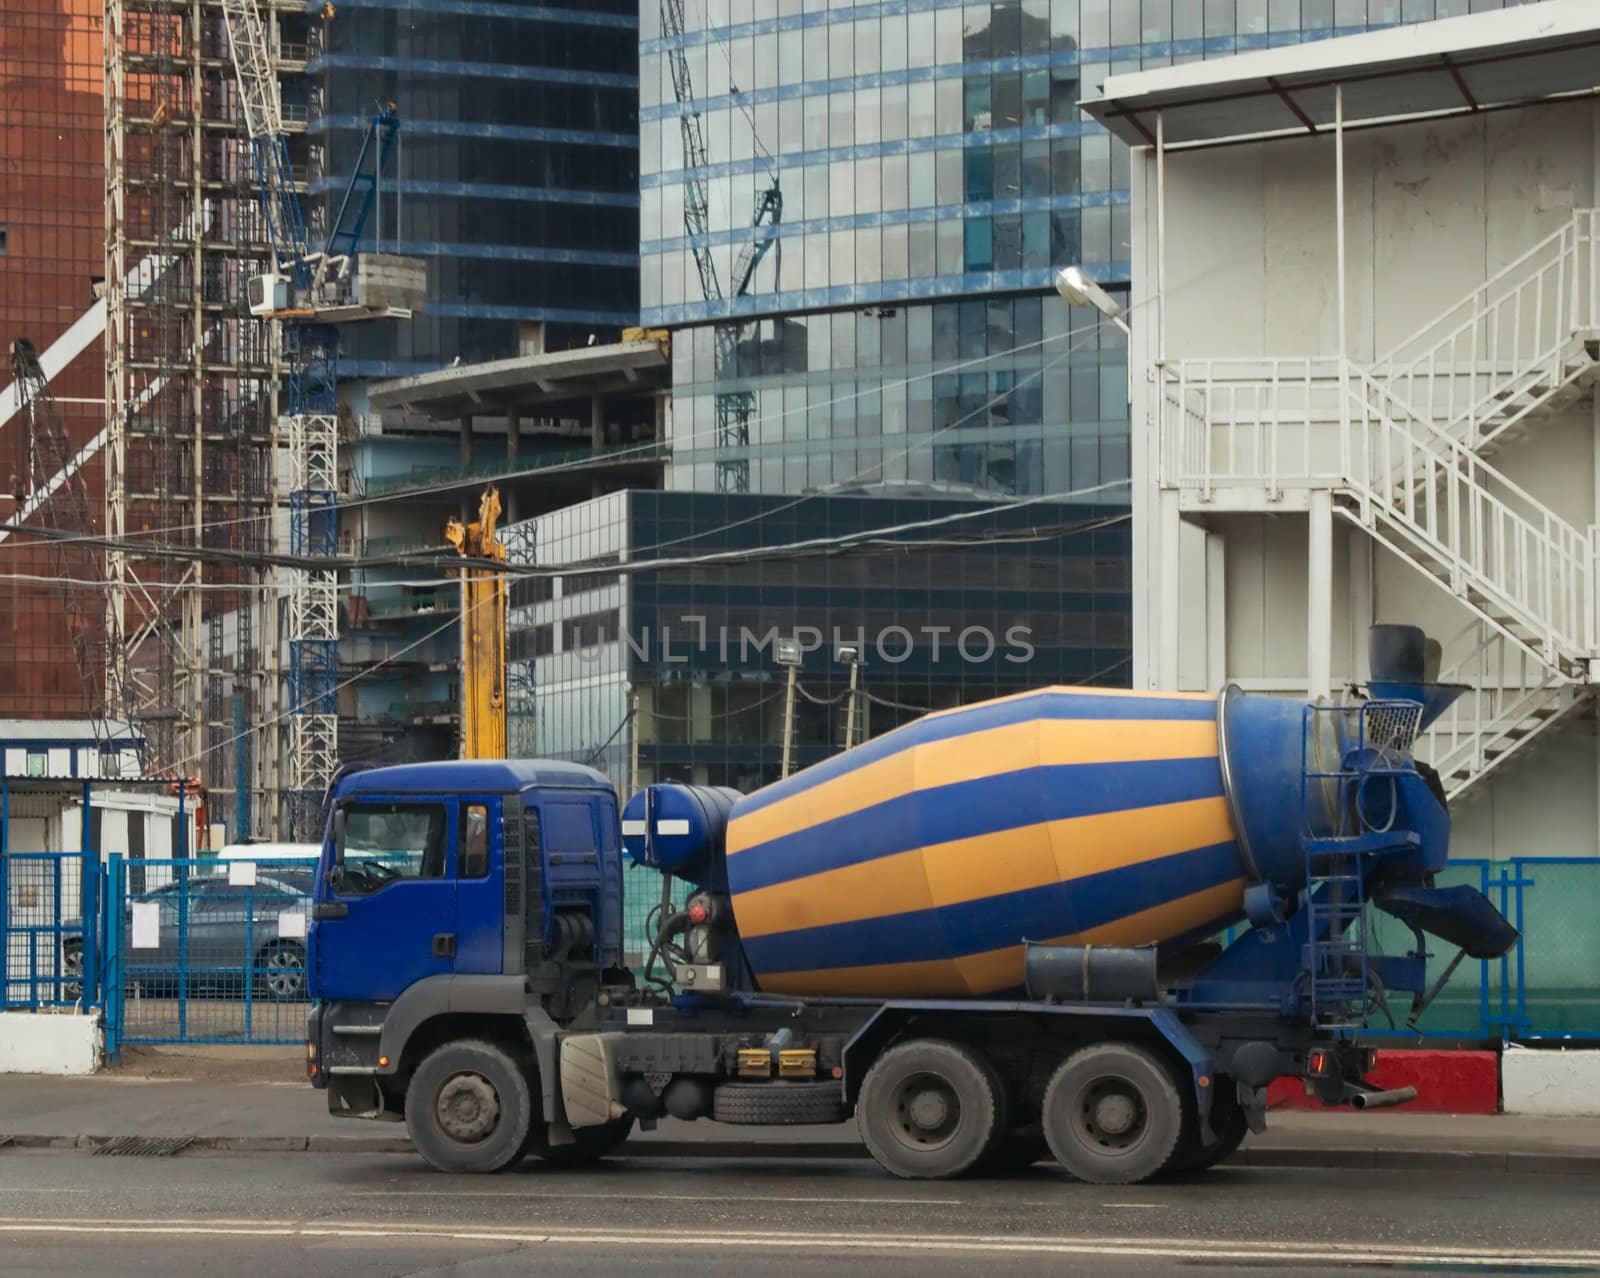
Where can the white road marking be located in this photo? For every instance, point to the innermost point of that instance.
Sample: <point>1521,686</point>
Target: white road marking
<point>1139,1206</point>
<point>1297,1252</point>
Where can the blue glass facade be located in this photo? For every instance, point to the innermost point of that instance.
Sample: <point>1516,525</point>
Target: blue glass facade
<point>517,166</point>
<point>934,172</point>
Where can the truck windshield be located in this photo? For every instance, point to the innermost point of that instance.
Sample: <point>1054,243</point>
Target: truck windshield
<point>384,842</point>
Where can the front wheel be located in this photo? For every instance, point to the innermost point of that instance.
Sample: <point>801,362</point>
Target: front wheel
<point>281,971</point>
<point>468,1108</point>
<point>1113,1115</point>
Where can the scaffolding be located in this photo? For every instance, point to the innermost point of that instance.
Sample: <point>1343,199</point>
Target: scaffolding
<point>191,403</point>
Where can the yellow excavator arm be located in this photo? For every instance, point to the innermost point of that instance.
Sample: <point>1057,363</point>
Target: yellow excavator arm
<point>483,633</point>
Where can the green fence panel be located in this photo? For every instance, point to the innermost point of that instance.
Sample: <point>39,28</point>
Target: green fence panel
<point>641,893</point>
<point>1560,969</point>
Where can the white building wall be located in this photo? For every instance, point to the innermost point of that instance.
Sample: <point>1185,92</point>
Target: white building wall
<point>1432,210</point>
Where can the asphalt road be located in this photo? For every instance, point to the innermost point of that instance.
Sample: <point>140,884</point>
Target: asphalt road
<point>72,1213</point>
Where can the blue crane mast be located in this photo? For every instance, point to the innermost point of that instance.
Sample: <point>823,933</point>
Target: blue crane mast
<point>309,292</point>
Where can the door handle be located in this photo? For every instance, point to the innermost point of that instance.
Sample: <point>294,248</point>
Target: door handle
<point>330,910</point>
<point>444,945</point>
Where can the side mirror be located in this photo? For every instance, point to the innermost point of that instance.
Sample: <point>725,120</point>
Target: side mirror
<point>336,866</point>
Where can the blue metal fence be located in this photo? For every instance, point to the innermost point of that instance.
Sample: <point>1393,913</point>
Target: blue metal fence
<point>182,951</point>
<point>45,951</point>
<point>206,951</point>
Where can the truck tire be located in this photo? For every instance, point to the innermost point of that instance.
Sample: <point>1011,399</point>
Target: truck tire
<point>468,1108</point>
<point>590,1145</point>
<point>778,1103</point>
<point>1113,1115</point>
<point>930,1109</point>
<point>1227,1124</point>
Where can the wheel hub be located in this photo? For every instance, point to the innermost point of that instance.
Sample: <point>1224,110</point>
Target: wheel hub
<point>1115,1114</point>
<point>283,973</point>
<point>468,1108</point>
<point>1112,1114</point>
<point>928,1109</point>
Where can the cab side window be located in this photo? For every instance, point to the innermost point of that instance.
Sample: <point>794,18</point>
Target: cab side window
<point>386,842</point>
<point>472,854</point>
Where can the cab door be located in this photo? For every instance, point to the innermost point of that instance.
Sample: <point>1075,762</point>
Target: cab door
<point>481,899</point>
<point>385,912</point>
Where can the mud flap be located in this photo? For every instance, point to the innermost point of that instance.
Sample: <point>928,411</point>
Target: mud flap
<point>1253,1100</point>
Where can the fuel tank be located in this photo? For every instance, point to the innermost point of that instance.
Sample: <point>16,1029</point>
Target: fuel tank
<point>918,864</point>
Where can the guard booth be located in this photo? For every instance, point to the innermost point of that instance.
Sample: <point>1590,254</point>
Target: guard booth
<point>69,798</point>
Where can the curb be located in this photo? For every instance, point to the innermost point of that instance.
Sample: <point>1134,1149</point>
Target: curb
<point>1310,1157</point>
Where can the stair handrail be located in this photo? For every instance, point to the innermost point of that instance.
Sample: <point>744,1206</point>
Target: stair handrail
<point>1572,305</point>
<point>1484,531</point>
<point>1477,540</point>
<point>1396,352</point>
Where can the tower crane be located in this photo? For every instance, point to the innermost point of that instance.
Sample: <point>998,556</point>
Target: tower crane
<point>733,407</point>
<point>308,292</point>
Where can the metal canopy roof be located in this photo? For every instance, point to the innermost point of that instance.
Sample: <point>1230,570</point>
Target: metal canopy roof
<point>1453,66</point>
<point>526,379</point>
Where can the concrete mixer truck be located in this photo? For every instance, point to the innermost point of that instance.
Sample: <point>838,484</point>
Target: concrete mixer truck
<point>991,935</point>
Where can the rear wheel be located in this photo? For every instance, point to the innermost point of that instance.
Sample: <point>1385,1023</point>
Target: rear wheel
<point>1227,1124</point>
<point>1112,1114</point>
<point>468,1108</point>
<point>929,1109</point>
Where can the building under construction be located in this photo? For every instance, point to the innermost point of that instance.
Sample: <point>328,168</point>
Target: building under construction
<point>153,444</point>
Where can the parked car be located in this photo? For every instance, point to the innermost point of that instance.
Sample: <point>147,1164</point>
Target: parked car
<point>211,933</point>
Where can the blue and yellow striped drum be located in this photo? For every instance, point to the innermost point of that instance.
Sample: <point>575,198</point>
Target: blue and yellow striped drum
<point>917,864</point>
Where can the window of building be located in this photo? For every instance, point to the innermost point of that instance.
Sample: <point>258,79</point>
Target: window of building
<point>3,247</point>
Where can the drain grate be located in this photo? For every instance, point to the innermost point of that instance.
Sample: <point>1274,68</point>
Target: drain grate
<point>143,1146</point>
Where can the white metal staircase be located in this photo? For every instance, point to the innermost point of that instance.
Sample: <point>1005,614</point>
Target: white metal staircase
<point>1401,446</point>
<point>1527,337</point>
<point>1511,699</point>
<point>1263,434</point>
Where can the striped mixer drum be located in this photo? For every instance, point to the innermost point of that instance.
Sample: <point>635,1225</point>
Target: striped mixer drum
<point>917,864</point>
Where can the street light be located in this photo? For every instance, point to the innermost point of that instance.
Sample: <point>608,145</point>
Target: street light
<point>1077,287</point>
<point>850,655</point>
<point>786,652</point>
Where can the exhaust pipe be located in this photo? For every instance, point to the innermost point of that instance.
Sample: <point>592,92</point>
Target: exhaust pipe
<point>1383,1100</point>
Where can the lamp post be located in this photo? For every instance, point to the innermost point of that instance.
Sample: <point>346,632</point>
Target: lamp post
<point>1077,287</point>
<point>787,653</point>
<point>850,655</point>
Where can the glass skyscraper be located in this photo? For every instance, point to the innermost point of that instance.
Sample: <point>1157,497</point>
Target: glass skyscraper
<point>517,164</point>
<point>934,171</point>
<point>851,215</point>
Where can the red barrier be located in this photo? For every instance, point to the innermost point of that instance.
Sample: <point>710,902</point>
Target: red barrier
<point>1446,1083</point>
